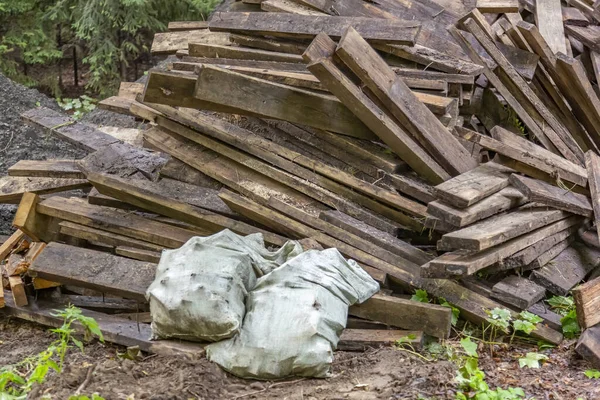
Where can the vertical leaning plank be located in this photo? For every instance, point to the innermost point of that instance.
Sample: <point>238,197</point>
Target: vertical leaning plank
<point>10,243</point>
<point>592,164</point>
<point>548,16</point>
<point>319,56</point>
<point>364,61</point>
<point>18,290</point>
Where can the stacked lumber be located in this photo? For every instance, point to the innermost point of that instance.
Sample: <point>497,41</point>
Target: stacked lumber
<point>444,148</point>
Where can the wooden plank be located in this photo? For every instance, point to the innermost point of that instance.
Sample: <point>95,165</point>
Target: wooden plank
<point>528,153</point>
<point>288,6</point>
<point>553,196</point>
<point>148,199</point>
<point>592,164</point>
<point>498,6</point>
<point>518,291</point>
<point>364,61</point>
<point>467,189</point>
<point>462,263</point>
<point>46,169</point>
<point>95,270</point>
<point>587,303</point>
<point>28,221</point>
<point>550,255</point>
<point>529,254</point>
<point>382,125</point>
<point>375,236</point>
<point>116,221</point>
<point>501,228</point>
<point>432,319</point>
<point>239,91</point>
<point>138,254</point>
<point>165,43</point>
<point>574,16</point>
<point>363,339</point>
<point>105,237</point>
<point>9,244</point>
<point>558,135</point>
<point>588,35</point>
<point>179,171</point>
<point>187,25</point>
<point>17,288</point>
<point>114,329</point>
<point>282,46</point>
<point>307,27</point>
<point>188,63</point>
<point>569,268</point>
<point>503,200</point>
<point>588,345</point>
<point>548,17</point>
<point>227,51</point>
<point>411,185</point>
<point>63,127</point>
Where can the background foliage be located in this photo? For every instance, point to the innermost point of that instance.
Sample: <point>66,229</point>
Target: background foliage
<point>108,34</point>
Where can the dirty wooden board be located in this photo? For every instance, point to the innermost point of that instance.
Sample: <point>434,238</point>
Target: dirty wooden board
<point>432,319</point>
<point>498,6</point>
<point>189,63</point>
<point>518,291</point>
<point>550,255</point>
<point>114,329</point>
<point>520,149</point>
<point>288,6</point>
<point>46,169</point>
<point>528,255</point>
<point>364,61</point>
<point>179,171</point>
<point>467,263</point>
<point>240,53</point>
<point>17,290</point>
<point>469,188</point>
<point>568,269</point>
<point>410,184</point>
<point>563,199</point>
<point>588,345</point>
<point>94,270</point>
<point>138,254</point>
<point>65,128</point>
<point>146,198</point>
<point>592,164</point>
<point>13,187</point>
<point>505,199</point>
<point>307,27</point>
<point>588,35</point>
<point>574,16</point>
<point>278,45</point>
<point>169,42</point>
<point>10,243</point>
<point>549,20</point>
<point>363,339</point>
<point>186,25</point>
<point>105,237</point>
<point>587,302</point>
<point>117,221</point>
<point>381,124</point>
<point>38,227</point>
<point>501,228</point>
<point>240,91</point>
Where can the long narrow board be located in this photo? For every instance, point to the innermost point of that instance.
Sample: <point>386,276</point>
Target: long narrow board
<point>240,53</point>
<point>105,237</point>
<point>364,61</point>
<point>308,26</point>
<point>548,16</point>
<point>467,189</point>
<point>381,124</point>
<point>220,86</point>
<point>552,196</point>
<point>148,199</point>
<point>12,188</point>
<point>592,164</point>
<point>499,229</point>
<point>46,169</point>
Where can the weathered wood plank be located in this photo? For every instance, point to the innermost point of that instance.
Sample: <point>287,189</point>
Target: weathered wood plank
<point>165,43</point>
<point>411,185</point>
<point>364,61</point>
<point>307,27</point>
<point>432,319</point>
<point>574,16</point>
<point>503,200</point>
<point>363,339</point>
<point>548,16</point>
<point>592,164</point>
<point>17,289</point>
<point>220,86</point>
<point>588,35</point>
<point>187,25</point>
<point>467,189</point>
<point>551,254</point>
<point>233,52</point>
<point>105,237</point>
<point>9,244</point>
<point>12,188</point>
<point>138,254</point>
<point>501,228</point>
<point>518,291</point>
<point>587,303</point>
<point>588,345</point>
<point>553,196</point>
<point>569,268</point>
<point>498,6</point>
<point>382,125</point>
<point>462,263</point>
<point>46,169</point>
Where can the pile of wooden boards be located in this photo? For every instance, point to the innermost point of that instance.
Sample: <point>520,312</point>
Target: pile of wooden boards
<point>446,148</point>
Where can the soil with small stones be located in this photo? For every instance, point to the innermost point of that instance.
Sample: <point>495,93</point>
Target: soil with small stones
<point>383,373</point>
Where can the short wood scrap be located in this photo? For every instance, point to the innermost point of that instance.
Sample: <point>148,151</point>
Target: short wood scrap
<point>12,188</point>
<point>588,345</point>
<point>165,43</point>
<point>46,169</point>
<point>432,319</point>
<point>9,244</point>
<point>569,268</point>
<point>17,288</point>
<point>587,303</point>
<point>518,291</point>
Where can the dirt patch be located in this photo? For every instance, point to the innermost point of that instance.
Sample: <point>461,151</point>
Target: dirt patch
<point>376,374</point>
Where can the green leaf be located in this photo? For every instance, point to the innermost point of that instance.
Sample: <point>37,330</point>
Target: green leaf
<point>469,347</point>
<point>524,326</point>
<point>455,311</point>
<point>420,296</point>
<point>570,326</point>
<point>592,374</point>
<point>77,343</point>
<point>532,360</point>
<point>527,316</point>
